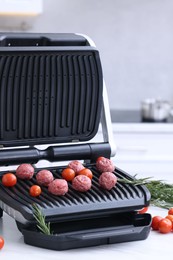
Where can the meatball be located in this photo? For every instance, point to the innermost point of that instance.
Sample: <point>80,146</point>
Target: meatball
<point>76,166</point>
<point>44,177</point>
<point>25,171</point>
<point>58,187</point>
<point>104,165</point>
<point>107,180</point>
<point>81,183</point>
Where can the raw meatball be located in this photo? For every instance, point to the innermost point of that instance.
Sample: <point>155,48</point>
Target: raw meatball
<point>104,165</point>
<point>58,187</point>
<point>81,183</point>
<point>76,166</point>
<point>107,180</point>
<point>44,177</point>
<point>25,171</point>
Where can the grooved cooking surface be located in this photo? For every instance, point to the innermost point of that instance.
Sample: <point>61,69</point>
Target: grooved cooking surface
<point>49,97</point>
<point>121,196</point>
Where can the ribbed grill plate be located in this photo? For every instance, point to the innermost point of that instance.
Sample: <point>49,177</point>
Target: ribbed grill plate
<point>48,97</point>
<point>122,197</point>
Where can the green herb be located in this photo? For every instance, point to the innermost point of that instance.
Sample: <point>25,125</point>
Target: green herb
<point>161,192</point>
<point>134,181</point>
<point>41,223</point>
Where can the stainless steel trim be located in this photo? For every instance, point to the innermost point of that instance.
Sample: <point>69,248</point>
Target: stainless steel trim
<point>13,213</point>
<point>106,123</point>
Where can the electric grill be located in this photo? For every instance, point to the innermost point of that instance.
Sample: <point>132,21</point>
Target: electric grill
<point>52,93</point>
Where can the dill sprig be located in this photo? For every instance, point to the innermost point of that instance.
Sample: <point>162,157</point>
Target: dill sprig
<point>161,192</point>
<point>41,223</point>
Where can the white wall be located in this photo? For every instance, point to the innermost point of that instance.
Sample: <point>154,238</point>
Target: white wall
<point>134,37</point>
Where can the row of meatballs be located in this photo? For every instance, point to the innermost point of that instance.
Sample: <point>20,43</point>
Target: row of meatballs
<point>80,177</point>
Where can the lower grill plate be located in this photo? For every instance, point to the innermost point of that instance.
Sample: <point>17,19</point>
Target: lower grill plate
<point>17,202</point>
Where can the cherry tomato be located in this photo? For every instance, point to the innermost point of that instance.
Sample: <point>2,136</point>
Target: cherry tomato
<point>165,226</point>
<point>9,179</point>
<point>35,190</point>
<point>100,158</point>
<point>170,211</point>
<point>87,172</point>
<point>68,174</point>
<point>170,217</point>
<point>143,210</point>
<point>1,242</point>
<point>155,222</point>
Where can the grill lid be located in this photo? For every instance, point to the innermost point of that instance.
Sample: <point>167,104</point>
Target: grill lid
<point>50,92</point>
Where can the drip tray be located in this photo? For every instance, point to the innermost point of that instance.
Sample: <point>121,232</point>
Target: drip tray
<point>115,228</point>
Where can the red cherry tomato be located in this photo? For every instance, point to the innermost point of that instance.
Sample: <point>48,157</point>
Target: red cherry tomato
<point>155,222</point>
<point>165,226</point>
<point>143,210</point>
<point>1,242</point>
<point>170,211</point>
<point>87,172</point>
<point>9,179</point>
<point>170,217</point>
<point>68,174</point>
<point>35,190</point>
<point>100,158</point>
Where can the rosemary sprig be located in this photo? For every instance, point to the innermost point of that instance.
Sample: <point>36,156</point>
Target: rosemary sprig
<point>134,181</point>
<point>41,223</point>
<point>161,204</point>
<point>161,192</point>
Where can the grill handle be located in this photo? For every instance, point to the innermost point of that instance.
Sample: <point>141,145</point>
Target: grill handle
<point>101,233</point>
<point>54,153</point>
<point>40,40</point>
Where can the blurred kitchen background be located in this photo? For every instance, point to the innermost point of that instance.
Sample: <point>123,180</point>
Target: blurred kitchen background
<point>134,37</point>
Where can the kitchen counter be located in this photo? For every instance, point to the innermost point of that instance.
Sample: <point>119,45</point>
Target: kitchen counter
<point>133,116</point>
<point>144,149</point>
<point>156,245</point>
